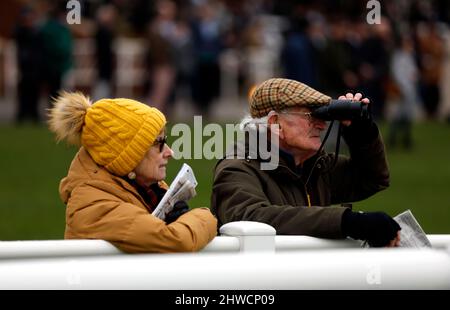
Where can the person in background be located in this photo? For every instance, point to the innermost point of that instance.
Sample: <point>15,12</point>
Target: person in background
<point>296,197</point>
<point>116,179</point>
<point>405,73</point>
<point>57,46</point>
<point>29,64</point>
<point>104,51</point>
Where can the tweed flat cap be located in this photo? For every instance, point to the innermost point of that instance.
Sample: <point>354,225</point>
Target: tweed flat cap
<point>277,94</point>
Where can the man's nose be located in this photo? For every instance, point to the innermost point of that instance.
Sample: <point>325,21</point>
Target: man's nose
<point>320,124</point>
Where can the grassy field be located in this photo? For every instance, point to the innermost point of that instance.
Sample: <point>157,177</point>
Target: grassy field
<point>32,164</point>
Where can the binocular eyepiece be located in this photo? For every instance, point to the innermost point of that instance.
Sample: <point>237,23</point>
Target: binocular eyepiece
<point>343,110</point>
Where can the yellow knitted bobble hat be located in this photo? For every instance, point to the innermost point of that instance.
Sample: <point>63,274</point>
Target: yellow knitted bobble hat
<point>116,132</point>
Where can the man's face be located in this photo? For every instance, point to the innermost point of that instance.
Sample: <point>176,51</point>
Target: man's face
<point>299,132</point>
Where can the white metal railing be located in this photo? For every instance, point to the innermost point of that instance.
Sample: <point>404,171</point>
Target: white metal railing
<point>325,269</point>
<point>270,262</point>
<point>244,237</point>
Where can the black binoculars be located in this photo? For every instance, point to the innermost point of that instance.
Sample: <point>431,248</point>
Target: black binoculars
<point>343,110</point>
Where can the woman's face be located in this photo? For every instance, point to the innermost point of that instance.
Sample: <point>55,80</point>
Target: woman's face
<point>152,167</point>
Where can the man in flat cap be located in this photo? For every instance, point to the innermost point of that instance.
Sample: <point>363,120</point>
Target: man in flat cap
<point>296,197</point>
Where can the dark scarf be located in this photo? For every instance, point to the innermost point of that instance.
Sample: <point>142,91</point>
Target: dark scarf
<point>151,195</point>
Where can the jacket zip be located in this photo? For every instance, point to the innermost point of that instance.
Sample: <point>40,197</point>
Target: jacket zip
<point>307,195</point>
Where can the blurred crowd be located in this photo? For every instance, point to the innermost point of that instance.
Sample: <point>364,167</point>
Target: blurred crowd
<point>200,50</point>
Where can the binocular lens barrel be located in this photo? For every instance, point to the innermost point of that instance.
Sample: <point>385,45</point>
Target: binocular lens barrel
<point>342,110</point>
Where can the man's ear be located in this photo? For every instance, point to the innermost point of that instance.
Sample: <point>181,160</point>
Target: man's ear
<point>274,120</point>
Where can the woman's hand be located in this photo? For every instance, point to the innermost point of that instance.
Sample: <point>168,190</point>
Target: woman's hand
<point>180,208</point>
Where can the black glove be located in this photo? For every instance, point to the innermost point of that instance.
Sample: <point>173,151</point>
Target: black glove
<point>180,208</point>
<point>377,228</point>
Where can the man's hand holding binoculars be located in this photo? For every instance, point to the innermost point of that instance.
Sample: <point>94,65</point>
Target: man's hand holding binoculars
<point>346,108</point>
<point>355,97</point>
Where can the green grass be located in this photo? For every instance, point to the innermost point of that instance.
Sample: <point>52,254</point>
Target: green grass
<point>32,164</point>
<point>420,179</point>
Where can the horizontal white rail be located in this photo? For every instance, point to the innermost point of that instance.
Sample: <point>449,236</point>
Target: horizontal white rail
<point>292,243</point>
<point>236,237</point>
<point>84,247</point>
<point>439,241</point>
<point>325,269</point>
<point>55,248</point>
<point>270,262</point>
<point>221,244</point>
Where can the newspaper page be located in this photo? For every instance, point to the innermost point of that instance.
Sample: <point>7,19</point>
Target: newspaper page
<point>182,188</point>
<point>411,235</point>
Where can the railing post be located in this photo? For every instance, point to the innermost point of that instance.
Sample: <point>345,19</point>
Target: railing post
<point>253,236</point>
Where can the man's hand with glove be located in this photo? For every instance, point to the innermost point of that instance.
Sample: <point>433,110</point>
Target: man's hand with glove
<point>178,210</point>
<point>378,228</point>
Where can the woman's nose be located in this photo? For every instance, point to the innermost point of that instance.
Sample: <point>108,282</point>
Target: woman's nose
<point>167,151</point>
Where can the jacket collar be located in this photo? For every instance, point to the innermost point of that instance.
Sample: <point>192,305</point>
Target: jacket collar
<point>286,164</point>
<point>84,169</point>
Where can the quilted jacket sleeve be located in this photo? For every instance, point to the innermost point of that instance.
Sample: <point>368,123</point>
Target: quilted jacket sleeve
<point>97,214</point>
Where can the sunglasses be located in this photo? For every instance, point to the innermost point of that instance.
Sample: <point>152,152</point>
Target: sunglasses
<point>161,141</point>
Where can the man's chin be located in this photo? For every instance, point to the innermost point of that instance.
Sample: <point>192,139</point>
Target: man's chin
<point>316,145</point>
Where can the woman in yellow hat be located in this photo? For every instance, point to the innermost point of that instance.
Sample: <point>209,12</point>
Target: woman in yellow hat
<point>116,179</point>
